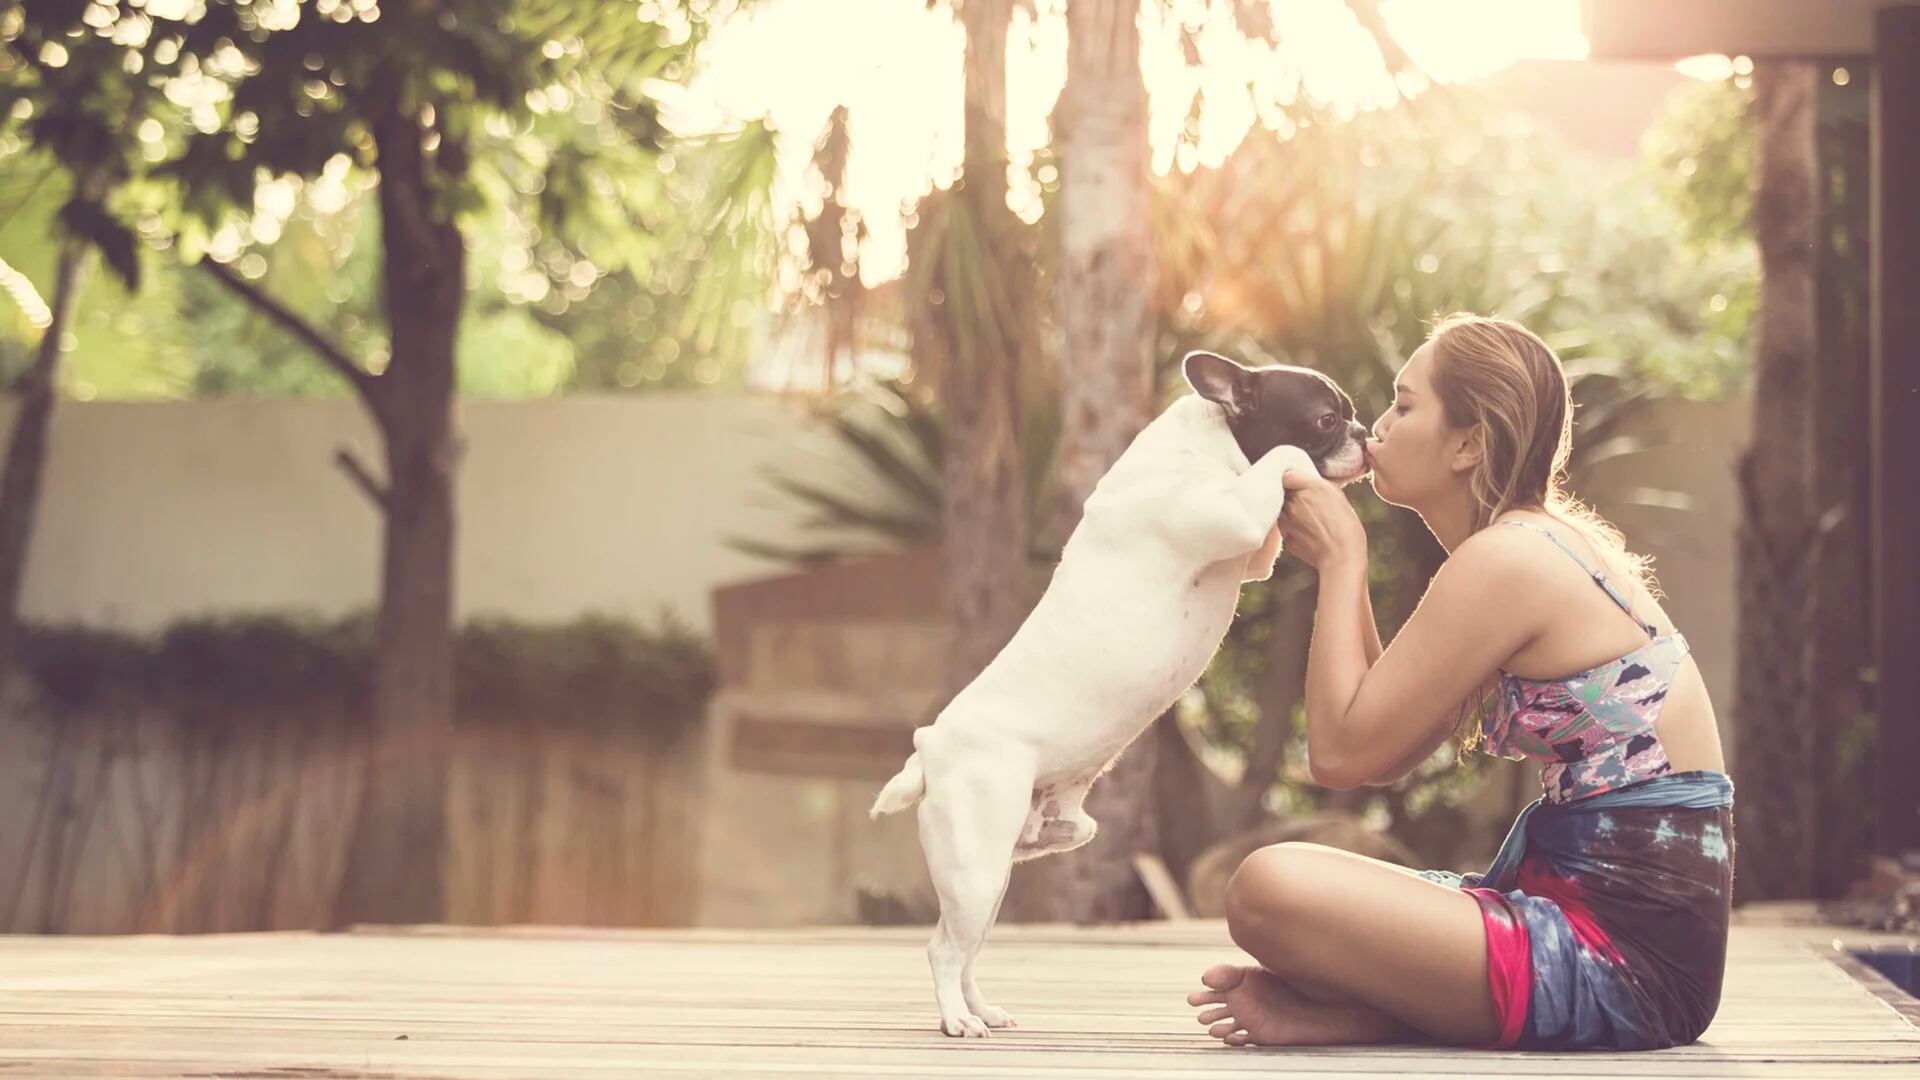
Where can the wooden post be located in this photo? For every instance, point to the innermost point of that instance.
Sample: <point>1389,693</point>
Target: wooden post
<point>1896,424</point>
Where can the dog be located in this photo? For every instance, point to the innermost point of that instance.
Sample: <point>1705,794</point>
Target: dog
<point>1142,597</point>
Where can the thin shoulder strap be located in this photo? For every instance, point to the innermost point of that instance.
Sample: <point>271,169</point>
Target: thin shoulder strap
<point>1599,577</point>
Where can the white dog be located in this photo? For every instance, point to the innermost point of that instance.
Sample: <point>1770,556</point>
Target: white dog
<point>1143,595</point>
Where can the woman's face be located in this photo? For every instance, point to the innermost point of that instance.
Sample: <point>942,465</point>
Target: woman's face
<point>1413,454</point>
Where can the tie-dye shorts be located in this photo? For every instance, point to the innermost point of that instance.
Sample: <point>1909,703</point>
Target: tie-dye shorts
<point>1606,917</point>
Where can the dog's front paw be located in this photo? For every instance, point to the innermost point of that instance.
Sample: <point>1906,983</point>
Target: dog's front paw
<point>995,1017</point>
<point>965,1026</point>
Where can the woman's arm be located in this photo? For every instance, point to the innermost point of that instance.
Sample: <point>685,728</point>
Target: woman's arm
<point>1403,768</point>
<point>1366,714</point>
<point>1369,629</point>
<point>1370,640</point>
<point>1339,655</point>
<point>1364,722</point>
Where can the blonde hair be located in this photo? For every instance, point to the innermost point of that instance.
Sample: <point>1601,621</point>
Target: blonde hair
<point>1498,377</point>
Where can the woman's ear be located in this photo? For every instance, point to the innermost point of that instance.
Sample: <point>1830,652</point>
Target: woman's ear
<point>1470,448</point>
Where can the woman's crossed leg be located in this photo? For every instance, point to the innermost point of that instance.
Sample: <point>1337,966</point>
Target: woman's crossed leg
<point>1350,950</point>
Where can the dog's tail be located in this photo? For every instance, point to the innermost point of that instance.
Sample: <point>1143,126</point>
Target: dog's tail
<point>903,790</point>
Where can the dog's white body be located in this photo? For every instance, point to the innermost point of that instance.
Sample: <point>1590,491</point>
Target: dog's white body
<point>1142,597</point>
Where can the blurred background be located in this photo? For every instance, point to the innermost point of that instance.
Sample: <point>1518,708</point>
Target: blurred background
<point>537,460</point>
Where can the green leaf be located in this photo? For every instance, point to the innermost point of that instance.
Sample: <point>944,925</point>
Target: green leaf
<point>116,243</point>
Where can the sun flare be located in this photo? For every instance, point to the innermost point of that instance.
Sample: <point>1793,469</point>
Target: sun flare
<point>897,68</point>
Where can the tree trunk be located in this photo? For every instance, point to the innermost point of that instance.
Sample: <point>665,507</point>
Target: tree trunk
<point>1107,270</point>
<point>27,446</point>
<point>1772,703</point>
<point>394,871</point>
<point>1104,299</point>
<point>984,323</point>
<point>974,334</point>
<point>1841,636</point>
<point>838,278</point>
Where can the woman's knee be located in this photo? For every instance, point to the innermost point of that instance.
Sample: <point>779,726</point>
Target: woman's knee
<point>1264,895</point>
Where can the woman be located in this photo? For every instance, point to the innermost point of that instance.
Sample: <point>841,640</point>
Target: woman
<point>1603,923</point>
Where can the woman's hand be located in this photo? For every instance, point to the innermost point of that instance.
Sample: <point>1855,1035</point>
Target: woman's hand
<point>1319,523</point>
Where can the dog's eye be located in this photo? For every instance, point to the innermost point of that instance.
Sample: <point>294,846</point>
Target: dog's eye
<point>1328,421</point>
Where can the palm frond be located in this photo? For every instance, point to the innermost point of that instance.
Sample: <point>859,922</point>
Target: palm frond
<point>1588,455</point>
<point>835,510</point>
<point>799,557</point>
<point>913,481</point>
<point>1652,498</point>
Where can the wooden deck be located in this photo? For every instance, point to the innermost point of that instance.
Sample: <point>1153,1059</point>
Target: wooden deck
<point>1095,1003</point>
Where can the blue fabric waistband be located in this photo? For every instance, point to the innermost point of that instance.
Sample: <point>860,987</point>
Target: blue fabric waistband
<point>1698,789</point>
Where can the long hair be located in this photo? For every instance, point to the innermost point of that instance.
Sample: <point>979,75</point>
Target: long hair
<point>1499,377</point>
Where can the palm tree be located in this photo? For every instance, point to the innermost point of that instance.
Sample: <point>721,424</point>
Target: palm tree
<point>1778,534</point>
<point>1103,297</point>
<point>974,328</point>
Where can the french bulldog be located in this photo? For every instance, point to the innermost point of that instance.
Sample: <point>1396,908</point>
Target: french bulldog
<point>1142,597</point>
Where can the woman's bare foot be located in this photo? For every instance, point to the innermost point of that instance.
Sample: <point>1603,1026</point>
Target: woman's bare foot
<point>1256,1007</point>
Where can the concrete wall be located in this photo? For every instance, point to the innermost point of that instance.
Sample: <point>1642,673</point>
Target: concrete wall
<point>1694,449</point>
<point>154,512</point>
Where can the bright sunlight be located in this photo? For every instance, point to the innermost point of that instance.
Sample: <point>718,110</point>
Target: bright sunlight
<point>896,66</point>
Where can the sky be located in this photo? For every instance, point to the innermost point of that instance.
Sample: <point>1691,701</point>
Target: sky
<point>895,64</point>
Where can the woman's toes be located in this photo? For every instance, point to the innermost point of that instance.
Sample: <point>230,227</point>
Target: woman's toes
<point>1238,1038</point>
<point>1223,1029</point>
<point>1215,1015</point>
<point>1223,976</point>
<point>1206,997</point>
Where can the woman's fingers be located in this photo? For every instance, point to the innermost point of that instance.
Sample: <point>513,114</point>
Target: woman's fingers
<point>1298,479</point>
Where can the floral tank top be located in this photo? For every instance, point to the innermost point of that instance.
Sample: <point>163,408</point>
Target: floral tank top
<point>1593,728</point>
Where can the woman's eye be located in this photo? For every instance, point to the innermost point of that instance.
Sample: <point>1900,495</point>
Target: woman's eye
<point>1401,409</point>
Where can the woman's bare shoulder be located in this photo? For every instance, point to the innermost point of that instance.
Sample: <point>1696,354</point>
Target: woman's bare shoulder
<point>1523,575</point>
<point>1511,554</point>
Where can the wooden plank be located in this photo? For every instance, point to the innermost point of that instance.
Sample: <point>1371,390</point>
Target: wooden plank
<point>794,747</point>
<point>842,1001</point>
<point>894,585</point>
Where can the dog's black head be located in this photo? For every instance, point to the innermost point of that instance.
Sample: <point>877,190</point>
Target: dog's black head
<point>1284,406</point>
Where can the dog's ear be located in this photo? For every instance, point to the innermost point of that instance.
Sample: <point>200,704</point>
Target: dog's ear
<point>1219,380</point>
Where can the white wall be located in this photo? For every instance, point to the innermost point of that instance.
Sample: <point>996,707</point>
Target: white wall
<point>155,511</point>
<point>1693,449</point>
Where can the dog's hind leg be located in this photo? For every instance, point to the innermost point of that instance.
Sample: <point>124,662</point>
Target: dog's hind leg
<point>1057,822</point>
<point>968,826</point>
<point>992,1015</point>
